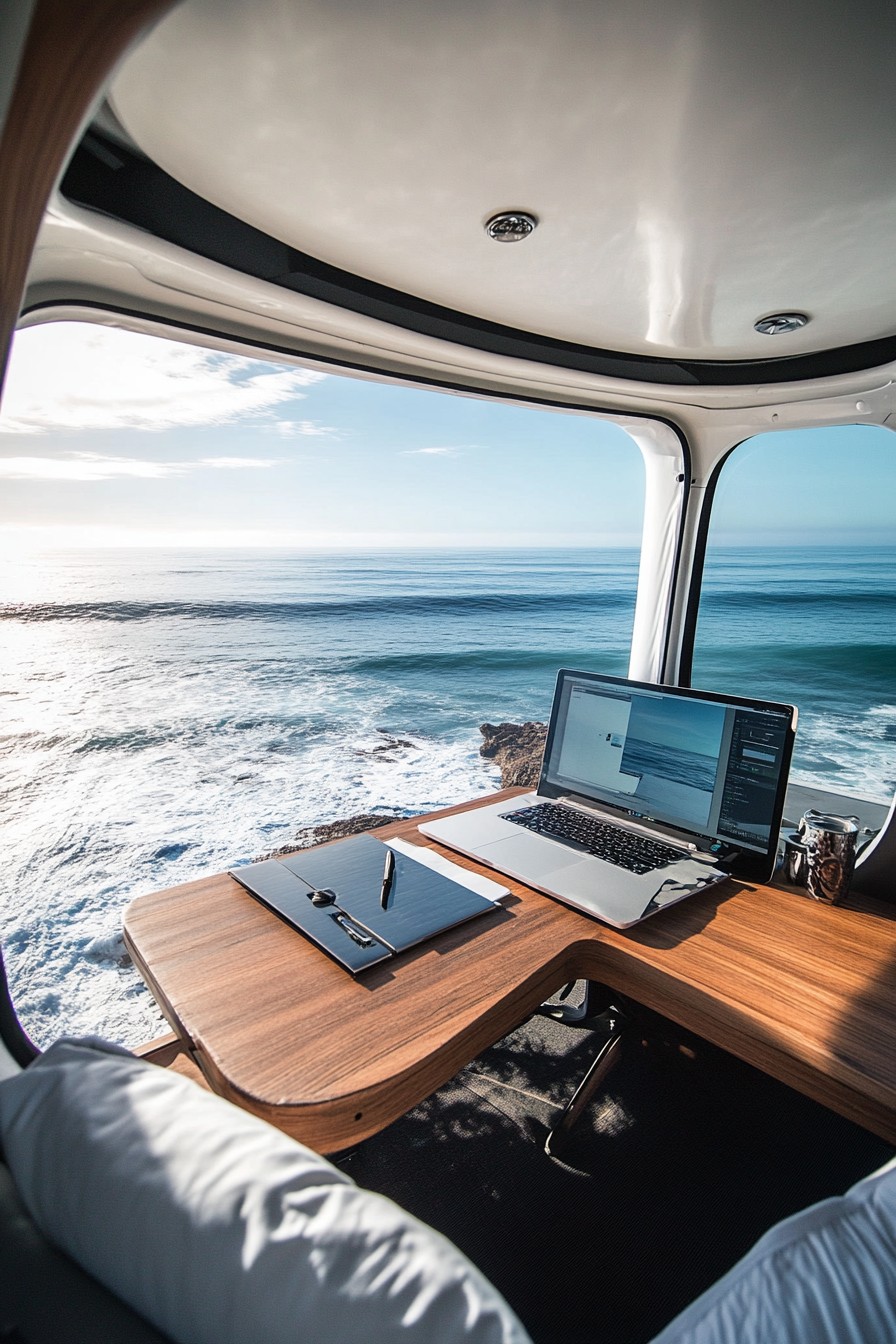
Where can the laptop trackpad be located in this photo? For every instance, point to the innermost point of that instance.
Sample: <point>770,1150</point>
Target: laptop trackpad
<point>525,853</point>
<point>611,893</point>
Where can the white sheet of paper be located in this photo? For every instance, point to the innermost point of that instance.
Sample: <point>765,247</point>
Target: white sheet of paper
<point>483,886</point>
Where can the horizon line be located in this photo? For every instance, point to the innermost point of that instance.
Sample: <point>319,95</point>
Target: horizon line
<point>22,538</point>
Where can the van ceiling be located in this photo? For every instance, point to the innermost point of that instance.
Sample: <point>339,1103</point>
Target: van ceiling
<point>693,165</point>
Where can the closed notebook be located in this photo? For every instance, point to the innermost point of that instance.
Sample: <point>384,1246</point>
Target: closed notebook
<point>421,902</point>
<point>356,930</point>
<point>288,896</point>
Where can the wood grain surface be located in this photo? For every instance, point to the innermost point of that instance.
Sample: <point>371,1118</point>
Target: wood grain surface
<point>72,45</point>
<point>806,992</point>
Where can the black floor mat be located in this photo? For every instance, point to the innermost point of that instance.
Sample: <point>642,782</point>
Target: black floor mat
<point>682,1160</point>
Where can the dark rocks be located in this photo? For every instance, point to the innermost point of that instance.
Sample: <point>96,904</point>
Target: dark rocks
<point>517,748</point>
<point>335,830</point>
<point>339,830</point>
<point>391,744</point>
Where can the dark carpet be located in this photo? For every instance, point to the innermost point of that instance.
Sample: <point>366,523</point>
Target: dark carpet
<point>685,1156</point>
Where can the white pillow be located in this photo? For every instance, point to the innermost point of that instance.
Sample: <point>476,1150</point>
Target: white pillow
<point>825,1276</point>
<point>218,1228</point>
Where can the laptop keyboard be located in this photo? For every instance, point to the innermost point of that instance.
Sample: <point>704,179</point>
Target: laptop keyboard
<point>637,853</point>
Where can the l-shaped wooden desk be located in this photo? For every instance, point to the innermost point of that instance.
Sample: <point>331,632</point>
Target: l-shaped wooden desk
<point>805,992</point>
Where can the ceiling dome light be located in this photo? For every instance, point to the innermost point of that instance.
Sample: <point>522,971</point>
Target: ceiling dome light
<point>511,226</point>
<point>777,323</point>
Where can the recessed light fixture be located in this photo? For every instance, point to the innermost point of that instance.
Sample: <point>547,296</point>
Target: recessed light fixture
<point>511,226</point>
<point>778,323</point>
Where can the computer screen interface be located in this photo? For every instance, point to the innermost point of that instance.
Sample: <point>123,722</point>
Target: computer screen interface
<point>708,767</point>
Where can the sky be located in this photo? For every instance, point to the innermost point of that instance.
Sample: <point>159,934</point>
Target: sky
<point>834,485</point>
<point>105,433</point>
<point>109,437</point>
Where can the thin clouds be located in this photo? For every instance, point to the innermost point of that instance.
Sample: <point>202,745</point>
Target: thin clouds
<point>234,463</point>
<point>99,467</point>
<point>434,452</point>
<point>73,376</point>
<point>289,429</point>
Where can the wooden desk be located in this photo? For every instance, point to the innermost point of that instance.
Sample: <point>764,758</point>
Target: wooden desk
<point>805,992</point>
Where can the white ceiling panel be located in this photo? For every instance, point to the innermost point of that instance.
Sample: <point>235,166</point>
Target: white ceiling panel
<point>693,164</point>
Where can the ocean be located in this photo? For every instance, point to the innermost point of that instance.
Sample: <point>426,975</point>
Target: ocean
<point>166,714</point>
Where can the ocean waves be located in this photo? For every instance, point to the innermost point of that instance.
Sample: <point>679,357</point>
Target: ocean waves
<point>94,823</point>
<point>479,661</point>
<point>815,628</point>
<point>757,600</point>
<point>856,673</point>
<point>469,606</point>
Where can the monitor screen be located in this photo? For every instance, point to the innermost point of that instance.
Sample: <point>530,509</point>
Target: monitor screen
<point>702,763</point>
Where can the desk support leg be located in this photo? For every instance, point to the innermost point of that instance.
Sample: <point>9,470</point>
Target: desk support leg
<point>606,1058</point>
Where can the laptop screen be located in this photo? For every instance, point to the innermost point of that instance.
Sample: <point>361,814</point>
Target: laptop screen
<point>703,763</point>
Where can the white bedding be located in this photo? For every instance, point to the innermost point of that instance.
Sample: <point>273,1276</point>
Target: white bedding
<point>825,1276</point>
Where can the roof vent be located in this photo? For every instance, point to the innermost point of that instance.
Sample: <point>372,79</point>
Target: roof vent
<point>511,226</point>
<point>777,323</point>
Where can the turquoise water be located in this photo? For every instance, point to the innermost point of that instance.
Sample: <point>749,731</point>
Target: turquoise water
<point>168,713</point>
<point>818,629</point>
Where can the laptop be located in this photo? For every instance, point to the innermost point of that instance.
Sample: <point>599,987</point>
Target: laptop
<point>647,794</point>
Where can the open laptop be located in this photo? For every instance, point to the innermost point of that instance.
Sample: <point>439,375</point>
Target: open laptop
<point>647,794</point>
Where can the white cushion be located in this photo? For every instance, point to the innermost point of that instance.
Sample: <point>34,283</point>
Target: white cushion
<point>218,1228</point>
<point>825,1276</point>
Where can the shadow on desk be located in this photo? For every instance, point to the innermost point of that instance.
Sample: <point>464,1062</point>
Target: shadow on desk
<point>684,920</point>
<point>461,936</point>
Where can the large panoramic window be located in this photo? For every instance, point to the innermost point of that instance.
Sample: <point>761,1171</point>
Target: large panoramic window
<point>799,597</point>
<point>240,600</point>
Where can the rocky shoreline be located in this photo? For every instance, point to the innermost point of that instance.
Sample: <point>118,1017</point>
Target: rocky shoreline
<point>516,748</point>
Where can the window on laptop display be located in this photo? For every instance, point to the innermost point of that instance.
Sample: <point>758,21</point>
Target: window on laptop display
<point>709,767</point>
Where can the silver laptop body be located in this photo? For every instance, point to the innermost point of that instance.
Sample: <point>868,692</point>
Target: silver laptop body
<point>647,794</point>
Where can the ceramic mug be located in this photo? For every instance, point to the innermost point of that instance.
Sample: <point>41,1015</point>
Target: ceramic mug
<point>830,843</point>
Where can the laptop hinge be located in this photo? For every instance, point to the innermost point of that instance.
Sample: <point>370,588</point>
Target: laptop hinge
<point>592,810</point>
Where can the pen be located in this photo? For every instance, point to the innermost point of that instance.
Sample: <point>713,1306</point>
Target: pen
<point>388,875</point>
